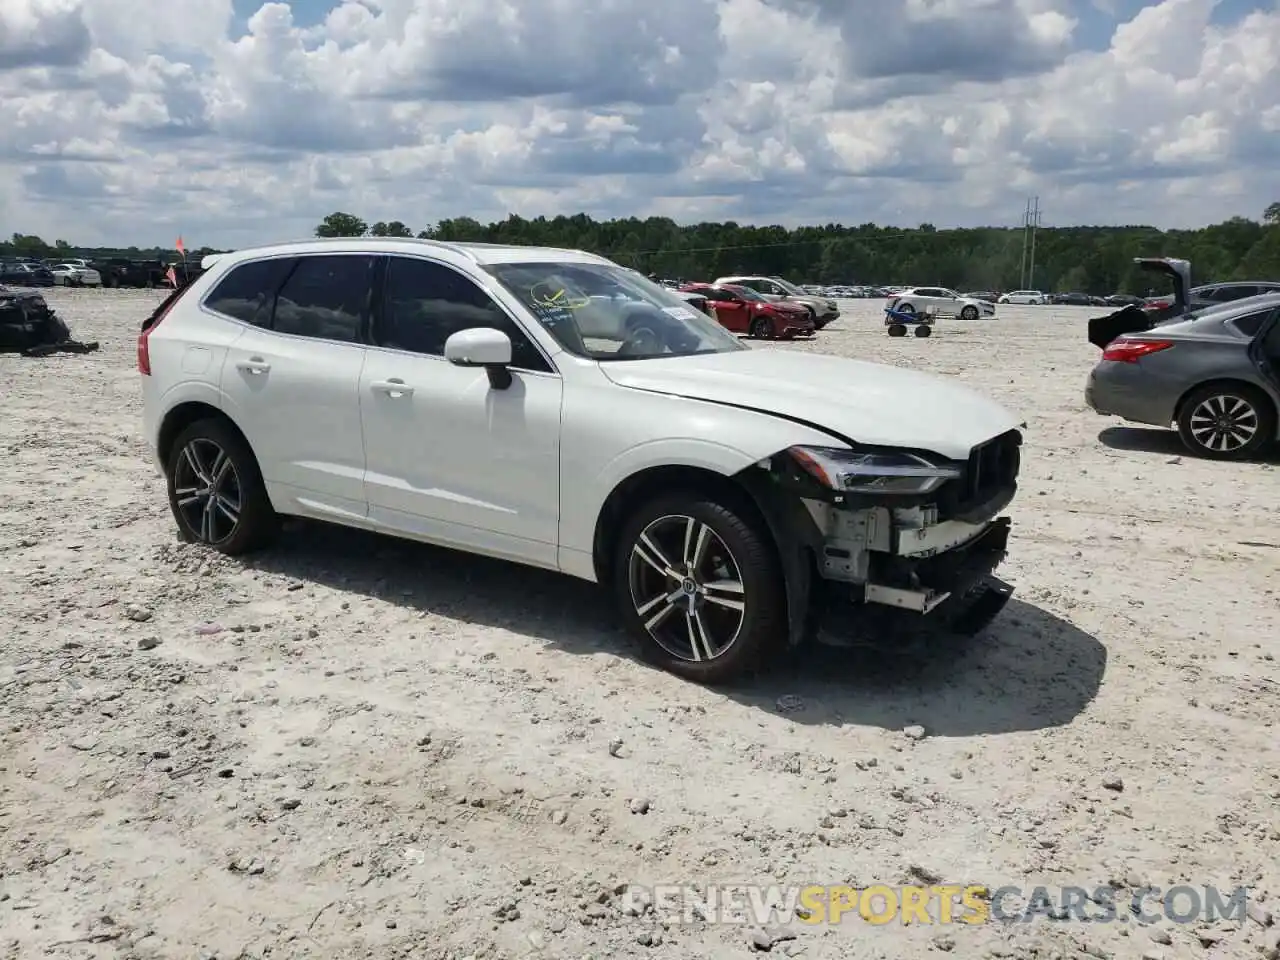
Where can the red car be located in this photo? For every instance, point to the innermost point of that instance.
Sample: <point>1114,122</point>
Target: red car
<point>742,310</point>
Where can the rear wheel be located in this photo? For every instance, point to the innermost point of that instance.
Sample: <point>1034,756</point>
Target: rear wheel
<point>216,491</point>
<point>1226,421</point>
<point>897,329</point>
<point>905,308</point>
<point>698,582</point>
<point>924,330</point>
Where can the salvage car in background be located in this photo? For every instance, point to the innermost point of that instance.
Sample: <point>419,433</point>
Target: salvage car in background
<point>1213,293</point>
<point>25,273</point>
<point>742,310</point>
<point>941,301</point>
<point>724,494</point>
<point>74,275</point>
<point>1213,373</point>
<point>823,309</point>
<point>1030,297</point>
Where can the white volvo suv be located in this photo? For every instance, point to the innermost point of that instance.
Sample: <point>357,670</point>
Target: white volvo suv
<point>445,392</point>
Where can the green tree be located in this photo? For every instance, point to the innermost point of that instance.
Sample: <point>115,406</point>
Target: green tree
<point>1272,213</point>
<point>393,229</point>
<point>342,225</point>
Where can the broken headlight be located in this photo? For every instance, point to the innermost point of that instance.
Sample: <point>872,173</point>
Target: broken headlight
<point>879,471</point>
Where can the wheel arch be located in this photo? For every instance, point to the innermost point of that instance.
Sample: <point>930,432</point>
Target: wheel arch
<point>182,416</point>
<point>787,525</point>
<point>1234,383</point>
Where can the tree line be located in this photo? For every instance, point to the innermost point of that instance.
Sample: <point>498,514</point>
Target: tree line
<point>1096,260</point>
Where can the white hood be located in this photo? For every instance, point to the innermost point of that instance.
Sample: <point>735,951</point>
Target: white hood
<point>870,403</point>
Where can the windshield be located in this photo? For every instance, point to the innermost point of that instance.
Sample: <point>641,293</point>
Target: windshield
<point>607,312</point>
<point>791,288</point>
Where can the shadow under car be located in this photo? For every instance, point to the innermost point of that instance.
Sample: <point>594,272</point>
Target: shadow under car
<point>1028,670</point>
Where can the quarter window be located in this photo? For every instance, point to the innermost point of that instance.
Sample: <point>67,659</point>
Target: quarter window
<point>425,303</point>
<point>1252,323</point>
<point>248,290</point>
<point>326,297</point>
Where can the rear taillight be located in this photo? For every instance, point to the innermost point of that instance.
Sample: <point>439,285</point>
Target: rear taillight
<point>149,326</point>
<point>1131,351</point>
<point>1157,305</point>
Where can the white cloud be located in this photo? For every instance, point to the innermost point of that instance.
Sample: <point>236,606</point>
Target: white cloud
<point>124,121</point>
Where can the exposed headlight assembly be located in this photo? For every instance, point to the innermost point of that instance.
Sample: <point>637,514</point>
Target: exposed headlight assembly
<point>880,471</point>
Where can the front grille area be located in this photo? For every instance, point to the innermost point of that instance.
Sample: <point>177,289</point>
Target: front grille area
<point>993,466</point>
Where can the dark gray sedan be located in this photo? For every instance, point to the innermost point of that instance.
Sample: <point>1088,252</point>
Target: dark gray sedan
<point>1213,374</point>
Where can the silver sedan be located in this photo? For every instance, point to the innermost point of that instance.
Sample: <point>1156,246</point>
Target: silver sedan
<point>1212,374</point>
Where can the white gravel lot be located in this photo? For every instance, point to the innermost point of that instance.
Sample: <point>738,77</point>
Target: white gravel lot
<point>390,750</point>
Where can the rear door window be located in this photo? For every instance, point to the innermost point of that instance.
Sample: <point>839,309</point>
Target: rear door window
<point>326,297</point>
<point>248,291</point>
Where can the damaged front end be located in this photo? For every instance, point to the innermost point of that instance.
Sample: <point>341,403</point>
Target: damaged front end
<point>896,529</point>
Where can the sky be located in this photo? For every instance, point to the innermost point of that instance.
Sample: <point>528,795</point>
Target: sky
<point>230,122</point>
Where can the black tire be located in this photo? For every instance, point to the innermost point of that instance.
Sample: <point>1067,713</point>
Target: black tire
<point>969,313</point>
<point>761,328</point>
<point>732,642</point>
<point>245,495</point>
<point>924,330</point>
<point>897,329</point>
<point>905,308</point>
<point>1246,414</point>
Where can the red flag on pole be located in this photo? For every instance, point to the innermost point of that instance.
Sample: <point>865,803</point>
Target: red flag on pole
<point>171,277</point>
<point>180,248</point>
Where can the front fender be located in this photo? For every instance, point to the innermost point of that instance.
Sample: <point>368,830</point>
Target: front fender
<point>611,435</point>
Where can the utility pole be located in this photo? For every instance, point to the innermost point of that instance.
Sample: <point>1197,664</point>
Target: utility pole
<point>1026,224</point>
<point>1035,222</point>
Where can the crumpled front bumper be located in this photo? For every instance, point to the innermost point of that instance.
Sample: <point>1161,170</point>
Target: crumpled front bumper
<point>924,571</point>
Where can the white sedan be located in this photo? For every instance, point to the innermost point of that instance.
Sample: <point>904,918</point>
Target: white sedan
<point>725,495</point>
<point>943,302</point>
<point>1033,297</point>
<point>75,275</point>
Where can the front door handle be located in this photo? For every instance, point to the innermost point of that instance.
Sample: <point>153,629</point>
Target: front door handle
<point>254,366</point>
<point>394,388</point>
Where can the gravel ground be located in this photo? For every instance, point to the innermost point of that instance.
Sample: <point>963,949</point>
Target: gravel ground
<point>355,747</point>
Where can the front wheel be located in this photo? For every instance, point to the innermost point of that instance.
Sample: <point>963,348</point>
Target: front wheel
<point>761,328</point>
<point>1226,422</point>
<point>216,491</point>
<point>924,330</point>
<point>699,584</point>
<point>969,313</point>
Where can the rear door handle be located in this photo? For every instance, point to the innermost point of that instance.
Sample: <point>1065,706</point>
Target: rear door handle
<point>393,388</point>
<point>254,366</point>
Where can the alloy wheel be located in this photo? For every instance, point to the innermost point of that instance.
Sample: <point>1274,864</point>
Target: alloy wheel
<point>208,491</point>
<point>687,588</point>
<point>1224,423</point>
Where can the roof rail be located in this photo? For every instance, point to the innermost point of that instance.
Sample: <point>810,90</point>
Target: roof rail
<point>441,244</point>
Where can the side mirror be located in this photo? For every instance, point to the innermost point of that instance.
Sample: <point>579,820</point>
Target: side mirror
<point>482,347</point>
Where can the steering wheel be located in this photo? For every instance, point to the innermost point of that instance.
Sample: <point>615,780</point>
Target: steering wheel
<point>642,340</point>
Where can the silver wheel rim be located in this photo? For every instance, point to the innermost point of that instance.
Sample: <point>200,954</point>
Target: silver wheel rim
<point>1224,423</point>
<point>687,588</point>
<point>969,313</point>
<point>207,489</point>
